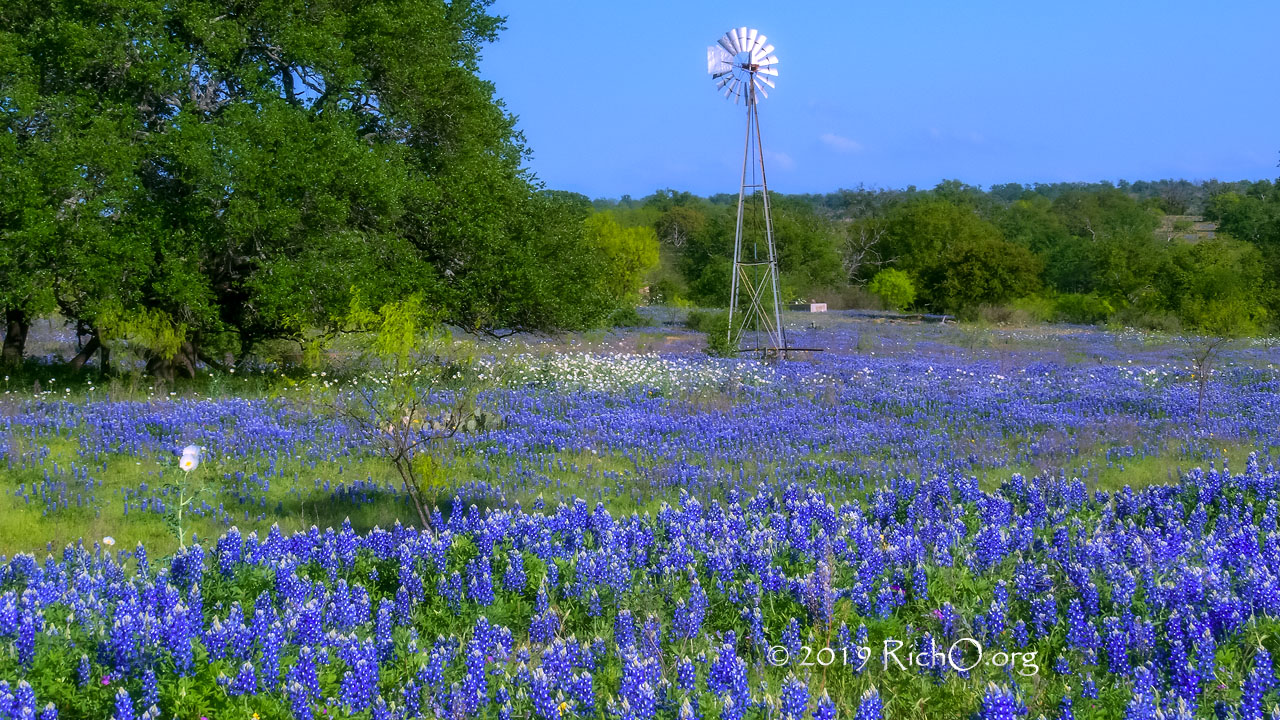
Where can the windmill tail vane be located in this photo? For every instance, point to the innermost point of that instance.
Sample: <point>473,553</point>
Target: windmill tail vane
<point>742,65</point>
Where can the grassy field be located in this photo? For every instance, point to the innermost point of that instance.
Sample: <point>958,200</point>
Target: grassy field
<point>58,493</point>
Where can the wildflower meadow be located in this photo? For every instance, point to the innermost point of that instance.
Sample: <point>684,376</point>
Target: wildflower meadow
<point>924,521</point>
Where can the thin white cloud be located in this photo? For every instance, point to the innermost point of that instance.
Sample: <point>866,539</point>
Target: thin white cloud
<point>780,160</point>
<point>840,143</point>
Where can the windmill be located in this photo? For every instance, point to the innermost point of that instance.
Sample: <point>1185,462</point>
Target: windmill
<point>742,64</point>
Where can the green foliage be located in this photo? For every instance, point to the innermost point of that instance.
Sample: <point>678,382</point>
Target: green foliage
<point>679,223</point>
<point>668,290</point>
<point>1035,307</point>
<point>710,287</point>
<point>715,324</point>
<point>894,288</point>
<point>629,317</point>
<point>628,254</point>
<point>1030,221</point>
<point>147,328</point>
<point>808,248</point>
<point>1216,287</point>
<point>986,272</point>
<point>701,320</point>
<point>960,259</point>
<point>1253,215</point>
<point>1223,317</point>
<point>1106,212</point>
<point>1082,309</point>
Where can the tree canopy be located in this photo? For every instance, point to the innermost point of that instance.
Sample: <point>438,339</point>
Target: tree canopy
<point>241,171</point>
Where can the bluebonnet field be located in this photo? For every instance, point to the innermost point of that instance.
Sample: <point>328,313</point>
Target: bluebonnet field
<point>656,533</point>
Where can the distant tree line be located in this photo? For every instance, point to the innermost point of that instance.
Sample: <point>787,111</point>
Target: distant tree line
<point>195,179</point>
<point>1084,253</point>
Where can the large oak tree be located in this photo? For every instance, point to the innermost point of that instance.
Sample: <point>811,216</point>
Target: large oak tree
<point>236,170</point>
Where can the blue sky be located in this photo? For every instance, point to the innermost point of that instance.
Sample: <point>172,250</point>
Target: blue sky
<point>613,97</point>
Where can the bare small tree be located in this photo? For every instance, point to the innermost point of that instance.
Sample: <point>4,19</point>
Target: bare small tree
<point>862,247</point>
<point>1211,325</point>
<point>418,391</point>
<point>1204,352</point>
<point>675,226</point>
<point>407,430</point>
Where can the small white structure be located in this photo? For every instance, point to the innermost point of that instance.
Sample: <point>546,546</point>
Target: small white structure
<point>810,307</point>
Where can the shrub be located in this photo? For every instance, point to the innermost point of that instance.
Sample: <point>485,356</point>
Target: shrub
<point>1008,315</point>
<point>894,288</point>
<point>666,291</point>
<point>629,317</point>
<point>1083,309</point>
<point>1040,309</point>
<point>699,319</point>
<point>1156,320</point>
<point>715,323</point>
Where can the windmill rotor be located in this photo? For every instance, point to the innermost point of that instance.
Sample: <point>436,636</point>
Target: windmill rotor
<point>742,63</point>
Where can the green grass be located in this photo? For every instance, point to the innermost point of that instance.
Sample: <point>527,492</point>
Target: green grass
<point>294,502</point>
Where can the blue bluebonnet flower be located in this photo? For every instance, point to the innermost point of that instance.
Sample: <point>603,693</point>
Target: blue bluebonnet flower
<point>123,706</point>
<point>84,674</point>
<point>794,697</point>
<point>826,710</point>
<point>870,706</point>
<point>150,688</point>
<point>1000,703</point>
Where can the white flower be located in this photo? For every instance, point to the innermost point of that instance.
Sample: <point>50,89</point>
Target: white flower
<point>190,458</point>
<point>108,541</point>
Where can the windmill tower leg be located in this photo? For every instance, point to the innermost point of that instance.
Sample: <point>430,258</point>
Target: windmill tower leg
<point>778,337</point>
<point>736,337</point>
<point>758,276</point>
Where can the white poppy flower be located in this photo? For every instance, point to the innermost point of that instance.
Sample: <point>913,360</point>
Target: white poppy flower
<point>190,458</point>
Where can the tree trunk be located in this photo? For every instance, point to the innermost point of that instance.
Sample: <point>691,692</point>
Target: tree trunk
<point>15,338</point>
<point>183,362</point>
<point>160,368</point>
<point>1200,396</point>
<point>82,357</point>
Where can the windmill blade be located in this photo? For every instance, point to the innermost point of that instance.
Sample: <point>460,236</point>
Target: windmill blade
<point>724,80</point>
<point>770,60</point>
<point>729,43</point>
<point>760,40</point>
<point>768,71</point>
<point>750,45</point>
<point>760,79</point>
<point>718,60</point>
<point>730,87</point>
<point>760,88</point>
<point>761,52</point>
<point>741,37</point>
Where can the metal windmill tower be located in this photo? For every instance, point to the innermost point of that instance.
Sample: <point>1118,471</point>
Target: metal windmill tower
<point>742,64</point>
